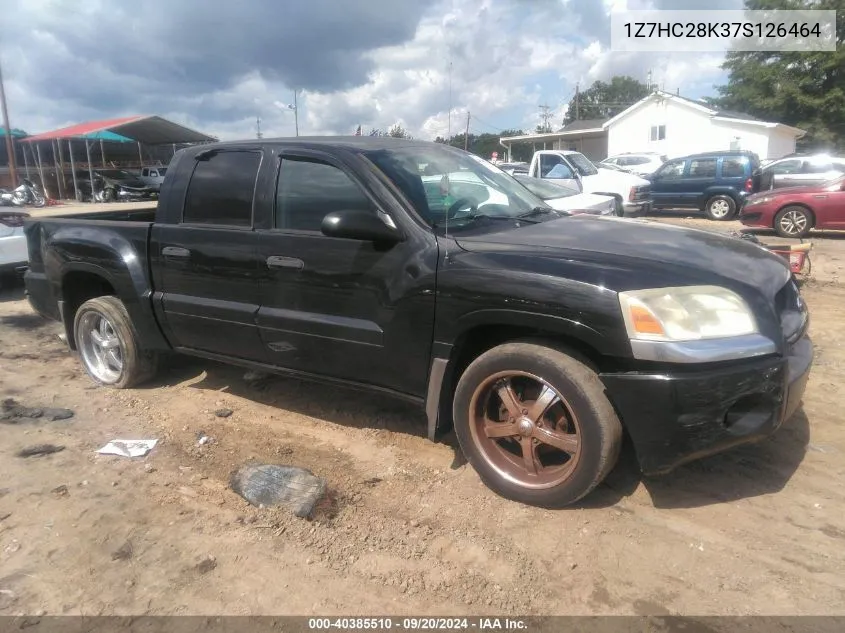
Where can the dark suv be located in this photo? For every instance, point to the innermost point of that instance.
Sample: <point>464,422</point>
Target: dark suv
<point>714,182</point>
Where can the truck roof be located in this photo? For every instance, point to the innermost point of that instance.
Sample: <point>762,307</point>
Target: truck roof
<point>348,142</point>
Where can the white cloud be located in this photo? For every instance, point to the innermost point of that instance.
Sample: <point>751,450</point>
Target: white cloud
<point>507,57</point>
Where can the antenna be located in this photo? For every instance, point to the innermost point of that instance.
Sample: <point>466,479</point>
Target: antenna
<point>449,134</point>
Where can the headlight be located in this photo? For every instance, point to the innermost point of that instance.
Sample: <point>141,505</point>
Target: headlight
<point>687,313</point>
<point>755,201</point>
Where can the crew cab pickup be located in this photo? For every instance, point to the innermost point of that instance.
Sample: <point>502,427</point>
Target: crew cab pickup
<point>573,169</point>
<point>420,271</point>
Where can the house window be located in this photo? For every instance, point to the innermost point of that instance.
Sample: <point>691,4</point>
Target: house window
<point>658,132</point>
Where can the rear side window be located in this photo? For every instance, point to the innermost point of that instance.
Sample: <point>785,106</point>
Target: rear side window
<point>733,167</point>
<point>308,190</point>
<point>702,168</point>
<point>222,188</point>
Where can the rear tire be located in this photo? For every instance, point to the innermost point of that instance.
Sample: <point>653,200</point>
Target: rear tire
<point>553,442</point>
<point>720,208</point>
<point>108,344</point>
<point>793,221</point>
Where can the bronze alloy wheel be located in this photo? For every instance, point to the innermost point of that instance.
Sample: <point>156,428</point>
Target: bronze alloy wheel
<point>525,430</point>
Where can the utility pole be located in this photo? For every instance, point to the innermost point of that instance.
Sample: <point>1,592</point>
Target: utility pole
<point>577,101</point>
<point>10,143</point>
<point>295,113</point>
<point>545,115</point>
<point>466,135</point>
<point>258,133</point>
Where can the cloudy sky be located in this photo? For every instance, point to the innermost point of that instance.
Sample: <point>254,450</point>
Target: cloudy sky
<point>216,64</point>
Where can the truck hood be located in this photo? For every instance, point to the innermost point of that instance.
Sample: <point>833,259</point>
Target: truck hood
<point>619,177</point>
<point>582,201</point>
<point>643,245</point>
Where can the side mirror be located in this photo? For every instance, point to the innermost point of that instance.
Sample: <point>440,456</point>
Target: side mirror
<point>359,225</point>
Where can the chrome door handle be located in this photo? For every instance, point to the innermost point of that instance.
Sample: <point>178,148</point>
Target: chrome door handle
<point>175,251</point>
<point>279,261</point>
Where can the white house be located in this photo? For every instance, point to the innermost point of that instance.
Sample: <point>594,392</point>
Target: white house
<point>676,126</point>
<point>669,124</point>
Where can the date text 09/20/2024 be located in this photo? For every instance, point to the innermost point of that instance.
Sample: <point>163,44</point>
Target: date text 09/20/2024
<point>417,624</point>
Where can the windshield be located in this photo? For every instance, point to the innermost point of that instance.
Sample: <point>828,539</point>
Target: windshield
<point>544,189</point>
<point>444,183</point>
<point>584,166</point>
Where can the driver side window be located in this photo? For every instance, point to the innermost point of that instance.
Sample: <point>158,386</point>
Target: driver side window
<point>547,163</point>
<point>673,170</point>
<point>307,190</point>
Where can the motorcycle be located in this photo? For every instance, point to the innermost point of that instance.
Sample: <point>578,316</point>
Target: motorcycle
<point>25,194</point>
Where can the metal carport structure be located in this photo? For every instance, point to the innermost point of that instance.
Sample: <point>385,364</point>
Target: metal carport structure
<point>143,130</point>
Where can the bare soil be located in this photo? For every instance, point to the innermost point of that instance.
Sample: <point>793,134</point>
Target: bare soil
<point>407,527</point>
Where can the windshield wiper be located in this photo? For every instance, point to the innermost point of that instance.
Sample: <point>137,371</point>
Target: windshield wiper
<point>537,211</point>
<point>518,218</point>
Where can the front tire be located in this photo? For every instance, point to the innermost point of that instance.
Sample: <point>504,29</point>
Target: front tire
<point>109,195</point>
<point>535,424</point>
<point>108,344</point>
<point>720,208</point>
<point>793,221</point>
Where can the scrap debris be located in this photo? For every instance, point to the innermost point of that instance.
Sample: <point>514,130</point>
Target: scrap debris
<point>273,485</point>
<point>128,448</point>
<point>38,450</point>
<point>11,412</point>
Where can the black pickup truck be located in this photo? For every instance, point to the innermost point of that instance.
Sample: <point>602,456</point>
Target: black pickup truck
<point>420,271</point>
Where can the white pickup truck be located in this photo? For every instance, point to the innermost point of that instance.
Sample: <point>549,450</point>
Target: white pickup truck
<point>632,193</point>
<point>153,176</point>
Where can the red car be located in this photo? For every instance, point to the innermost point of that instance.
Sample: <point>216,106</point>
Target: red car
<point>793,211</point>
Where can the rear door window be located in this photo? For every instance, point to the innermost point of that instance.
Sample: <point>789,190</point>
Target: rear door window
<point>792,166</point>
<point>733,167</point>
<point>702,168</point>
<point>222,188</point>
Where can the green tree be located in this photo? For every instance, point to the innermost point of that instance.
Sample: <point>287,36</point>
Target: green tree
<point>805,90</point>
<point>604,100</point>
<point>397,131</point>
<point>485,144</point>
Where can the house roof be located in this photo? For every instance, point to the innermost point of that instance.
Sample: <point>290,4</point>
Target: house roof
<point>150,130</point>
<point>583,124</point>
<point>723,115</point>
<point>733,114</point>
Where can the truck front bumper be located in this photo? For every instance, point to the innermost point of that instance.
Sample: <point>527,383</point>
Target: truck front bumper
<point>636,209</point>
<point>677,416</point>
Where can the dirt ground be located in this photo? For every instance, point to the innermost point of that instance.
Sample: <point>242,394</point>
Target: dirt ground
<point>408,527</point>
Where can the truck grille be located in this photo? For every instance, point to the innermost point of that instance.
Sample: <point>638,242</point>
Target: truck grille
<point>792,311</point>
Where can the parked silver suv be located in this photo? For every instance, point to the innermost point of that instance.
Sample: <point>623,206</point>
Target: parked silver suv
<point>797,171</point>
<point>641,164</point>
